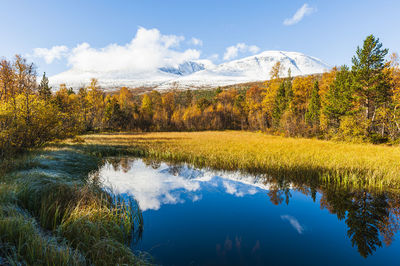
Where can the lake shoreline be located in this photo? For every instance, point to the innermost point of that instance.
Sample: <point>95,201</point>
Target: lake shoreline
<point>359,165</point>
<point>37,185</point>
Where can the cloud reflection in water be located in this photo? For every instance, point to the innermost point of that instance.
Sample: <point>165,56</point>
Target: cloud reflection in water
<point>294,223</point>
<point>153,187</point>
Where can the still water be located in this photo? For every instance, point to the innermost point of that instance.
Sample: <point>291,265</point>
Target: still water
<point>204,217</point>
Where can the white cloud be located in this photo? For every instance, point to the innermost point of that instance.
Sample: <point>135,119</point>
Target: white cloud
<point>213,57</point>
<point>303,11</point>
<point>233,51</point>
<point>147,51</point>
<point>196,41</point>
<point>56,52</point>
<point>294,223</point>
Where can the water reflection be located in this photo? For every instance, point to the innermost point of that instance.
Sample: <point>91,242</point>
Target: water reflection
<point>294,223</point>
<point>371,218</point>
<point>171,184</point>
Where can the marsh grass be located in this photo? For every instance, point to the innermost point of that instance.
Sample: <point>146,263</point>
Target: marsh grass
<point>359,165</point>
<point>52,213</point>
<point>23,242</point>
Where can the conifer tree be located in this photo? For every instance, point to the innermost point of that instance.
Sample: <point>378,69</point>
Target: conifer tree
<point>280,104</point>
<point>314,107</point>
<point>288,89</point>
<point>44,89</point>
<point>339,98</point>
<point>370,82</point>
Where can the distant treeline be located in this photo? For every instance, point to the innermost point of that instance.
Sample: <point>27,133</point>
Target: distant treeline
<point>360,103</point>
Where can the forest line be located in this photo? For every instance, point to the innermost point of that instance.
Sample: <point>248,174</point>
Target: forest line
<point>357,103</point>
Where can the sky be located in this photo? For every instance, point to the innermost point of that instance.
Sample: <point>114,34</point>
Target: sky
<point>60,35</point>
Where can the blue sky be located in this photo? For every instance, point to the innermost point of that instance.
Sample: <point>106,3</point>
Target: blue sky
<point>329,30</point>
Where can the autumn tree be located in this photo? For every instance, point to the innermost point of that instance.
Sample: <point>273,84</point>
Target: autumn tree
<point>83,107</point>
<point>95,101</point>
<point>226,109</point>
<point>276,71</point>
<point>25,74</point>
<point>7,76</point>
<point>256,115</point>
<point>146,110</point>
<point>302,87</point>
<point>203,103</point>
<point>270,91</point>
<point>168,106</point>
<point>394,129</point>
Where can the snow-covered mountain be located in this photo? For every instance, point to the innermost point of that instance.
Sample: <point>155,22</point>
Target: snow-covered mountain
<point>185,68</point>
<point>201,73</point>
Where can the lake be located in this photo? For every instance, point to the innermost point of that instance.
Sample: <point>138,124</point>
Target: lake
<point>205,217</point>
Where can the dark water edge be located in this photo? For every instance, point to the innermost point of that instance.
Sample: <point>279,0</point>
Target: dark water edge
<point>204,217</point>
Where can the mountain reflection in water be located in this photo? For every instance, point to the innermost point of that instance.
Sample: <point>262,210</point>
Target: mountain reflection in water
<point>371,218</point>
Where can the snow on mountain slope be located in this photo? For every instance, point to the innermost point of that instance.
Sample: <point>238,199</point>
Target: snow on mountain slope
<point>252,68</point>
<point>200,73</point>
<point>185,68</point>
<point>111,80</point>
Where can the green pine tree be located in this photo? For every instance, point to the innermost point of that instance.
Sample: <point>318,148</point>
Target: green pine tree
<point>339,98</point>
<point>44,89</point>
<point>314,107</point>
<point>288,89</point>
<point>370,82</point>
<point>280,104</point>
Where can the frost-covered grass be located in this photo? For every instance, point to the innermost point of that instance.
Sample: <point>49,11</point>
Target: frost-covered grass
<point>51,213</point>
<point>345,163</point>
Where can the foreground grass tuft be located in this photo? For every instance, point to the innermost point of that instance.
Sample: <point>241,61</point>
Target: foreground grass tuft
<point>53,212</point>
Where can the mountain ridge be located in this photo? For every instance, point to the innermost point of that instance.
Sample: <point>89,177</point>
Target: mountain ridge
<point>200,73</point>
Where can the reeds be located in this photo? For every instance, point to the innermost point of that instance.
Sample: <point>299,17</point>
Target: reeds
<point>346,163</point>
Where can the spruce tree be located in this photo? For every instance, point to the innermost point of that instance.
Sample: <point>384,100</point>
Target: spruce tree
<point>314,107</point>
<point>288,89</point>
<point>44,89</point>
<point>280,104</point>
<point>339,98</point>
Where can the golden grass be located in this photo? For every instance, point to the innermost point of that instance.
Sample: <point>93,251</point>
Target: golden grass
<point>362,164</point>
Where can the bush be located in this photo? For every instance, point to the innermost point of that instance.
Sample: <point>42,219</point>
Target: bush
<point>378,139</point>
<point>353,128</point>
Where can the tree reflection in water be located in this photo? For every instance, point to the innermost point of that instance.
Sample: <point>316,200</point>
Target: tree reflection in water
<point>372,217</point>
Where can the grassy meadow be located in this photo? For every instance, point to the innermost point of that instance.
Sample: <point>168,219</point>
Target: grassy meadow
<point>345,163</point>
